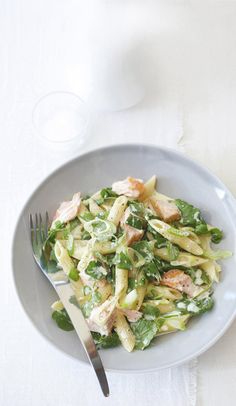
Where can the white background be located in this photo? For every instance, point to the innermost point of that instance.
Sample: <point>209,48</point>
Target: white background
<point>187,52</point>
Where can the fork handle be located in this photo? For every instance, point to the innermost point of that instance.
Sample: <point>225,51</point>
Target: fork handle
<point>65,292</point>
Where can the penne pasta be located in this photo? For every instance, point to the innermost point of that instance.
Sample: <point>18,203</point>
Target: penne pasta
<point>182,241</point>
<point>63,257</point>
<point>140,263</point>
<point>124,332</point>
<point>117,210</point>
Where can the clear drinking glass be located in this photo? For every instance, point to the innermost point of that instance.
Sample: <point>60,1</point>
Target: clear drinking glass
<point>61,120</point>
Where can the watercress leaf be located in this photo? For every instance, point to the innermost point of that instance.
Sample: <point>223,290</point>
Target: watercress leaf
<point>145,249</point>
<point>150,312</point>
<point>194,306</point>
<point>122,261</point>
<point>190,215</point>
<point>62,319</point>
<point>107,192</point>
<point>111,275</point>
<point>201,229</point>
<point>144,331</point>
<point>151,271</point>
<point>216,235</point>
<point>110,341</point>
<point>57,226</point>
<point>136,208</point>
<point>95,270</point>
<point>136,222</point>
<point>131,284</point>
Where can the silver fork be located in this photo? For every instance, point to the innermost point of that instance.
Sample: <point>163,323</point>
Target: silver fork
<point>39,234</point>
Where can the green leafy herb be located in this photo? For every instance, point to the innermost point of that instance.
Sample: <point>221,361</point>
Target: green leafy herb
<point>144,331</point>
<point>216,235</point>
<point>190,215</point>
<point>194,306</point>
<point>131,284</point>
<point>145,249</point>
<point>136,222</point>
<point>74,274</point>
<point>151,271</point>
<point>95,270</point>
<point>193,273</point>
<point>110,341</point>
<point>122,261</point>
<point>150,312</point>
<point>136,218</point>
<point>111,274</point>
<point>62,319</point>
<point>201,229</point>
<point>107,192</point>
<point>57,226</point>
<point>141,281</point>
<point>136,208</point>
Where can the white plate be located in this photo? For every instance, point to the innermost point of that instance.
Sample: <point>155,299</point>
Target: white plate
<point>179,177</point>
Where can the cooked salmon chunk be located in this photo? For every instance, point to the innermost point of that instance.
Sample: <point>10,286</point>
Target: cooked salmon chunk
<point>68,210</point>
<point>132,233</point>
<point>177,279</point>
<point>132,315</point>
<point>102,318</point>
<point>168,211</point>
<point>129,187</point>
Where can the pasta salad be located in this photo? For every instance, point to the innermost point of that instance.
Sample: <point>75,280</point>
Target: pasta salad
<point>140,263</point>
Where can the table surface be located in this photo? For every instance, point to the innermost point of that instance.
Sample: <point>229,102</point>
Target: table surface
<point>190,79</point>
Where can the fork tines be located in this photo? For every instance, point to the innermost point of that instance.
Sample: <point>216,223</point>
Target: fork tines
<point>38,228</point>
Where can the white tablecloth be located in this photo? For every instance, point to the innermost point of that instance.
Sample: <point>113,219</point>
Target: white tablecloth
<point>190,77</point>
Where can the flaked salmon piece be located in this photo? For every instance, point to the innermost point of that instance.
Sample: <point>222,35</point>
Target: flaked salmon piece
<point>102,318</point>
<point>168,211</point>
<point>68,210</point>
<point>132,315</point>
<point>177,279</point>
<point>132,233</point>
<point>129,187</point>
